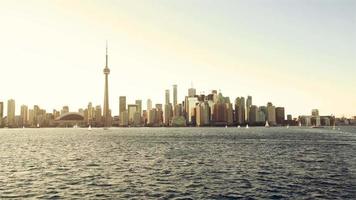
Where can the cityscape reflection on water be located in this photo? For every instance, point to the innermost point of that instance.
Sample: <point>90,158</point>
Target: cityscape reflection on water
<point>153,163</point>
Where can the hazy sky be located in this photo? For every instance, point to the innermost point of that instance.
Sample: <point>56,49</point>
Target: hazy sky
<point>300,54</point>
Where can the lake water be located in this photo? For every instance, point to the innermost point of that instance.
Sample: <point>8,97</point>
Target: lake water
<point>178,163</point>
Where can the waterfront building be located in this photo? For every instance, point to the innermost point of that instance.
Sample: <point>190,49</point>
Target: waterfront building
<point>253,115</point>
<point>248,105</point>
<point>280,115</point>
<point>191,92</point>
<point>132,109</point>
<point>240,110</point>
<point>168,114</point>
<point>98,116</point>
<point>11,113</point>
<point>175,97</point>
<point>65,110</point>
<point>271,114</point>
<point>122,104</point>
<point>124,118</point>
<point>139,106</point>
<point>191,102</point>
<point>24,115</point>
<point>149,104</point>
<point>229,113</point>
<point>203,114</point>
<point>167,100</point>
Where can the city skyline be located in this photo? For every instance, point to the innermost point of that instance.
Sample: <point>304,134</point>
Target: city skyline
<point>59,60</point>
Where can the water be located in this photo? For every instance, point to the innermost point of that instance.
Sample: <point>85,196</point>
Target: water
<point>182,163</point>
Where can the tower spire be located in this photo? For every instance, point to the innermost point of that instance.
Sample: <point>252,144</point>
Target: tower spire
<point>106,54</point>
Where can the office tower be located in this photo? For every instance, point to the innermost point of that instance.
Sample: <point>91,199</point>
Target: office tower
<point>64,110</point>
<point>168,113</point>
<point>132,109</point>
<point>229,113</point>
<point>151,119</point>
<point>124,118</point>
<point>122,102</point>
<point>98,115</point>
<point>248,105</point>
<point>11,113</point>
<point>289,117</point>
<point>190,107</point>
<point>139,106</point>
<point>91,111</point>
<point>24,115</point>
<point>159,115</point>
<point>315,117</point>
<point>1,113</point>
<point>220,114</point>
<point>175,95</point>
<point>178,110</point>
<point>271,114</point>
<point>202,114</point>
<point>149,104</point>
<point>167,100</point>
<point>261,117</point>
<point>280,116</point>
<point>191,92</point>
<point>315,112</point>
<point>253,115</point>
<point>106,113</point>
<point>240,110</point>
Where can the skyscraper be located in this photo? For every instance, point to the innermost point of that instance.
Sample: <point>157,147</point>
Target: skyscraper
<point>175,97</point>
<point>139,106</point>
<point>149,105</point>
<point>167,100</point>
<point>106,113</point>
<point>280,116</point>
<point>122,102</point>
<point>240,110</point>
<point>191,92</point>
<point>11,113</point>
<point>248,105</point>
<point>24,115</point>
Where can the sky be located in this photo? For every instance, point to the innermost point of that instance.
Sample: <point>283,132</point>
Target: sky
<point>300,54</point>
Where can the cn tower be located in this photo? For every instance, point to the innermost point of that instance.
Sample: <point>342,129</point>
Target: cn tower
<point>106,113</point>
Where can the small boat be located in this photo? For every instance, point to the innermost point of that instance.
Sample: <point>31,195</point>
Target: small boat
<point>38,125</point>
<point>267,124</point>
<point>246,125</point>
<point>300,124</point>
<point>89,128</point>
<point>287,125</point>
<point>238,126</point>
<point>225,126</point>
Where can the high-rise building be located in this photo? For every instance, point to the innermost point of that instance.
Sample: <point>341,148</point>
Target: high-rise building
<point>64,110</point>
<point>11,113</point>
<point>168,113</point>
<point>203,114</point>
<point>124,118</point>
<point>139,106</point>
<point>253,115</point>
<point>191,103</point>
<point>167,100</point>
<point>248,105</point>
<point>132,109</point>
<point>1,113</point>
<point>175,97</point>
<point>122,102</point>
<point>24,115</point>
<point>271,114</point>
<point>149,104</point>
<point>98,115</point>
<point>280,115</point>
<point>240,110</point>
<point>106,111</point>
<point>191,92</point>
<point>315,112</point>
